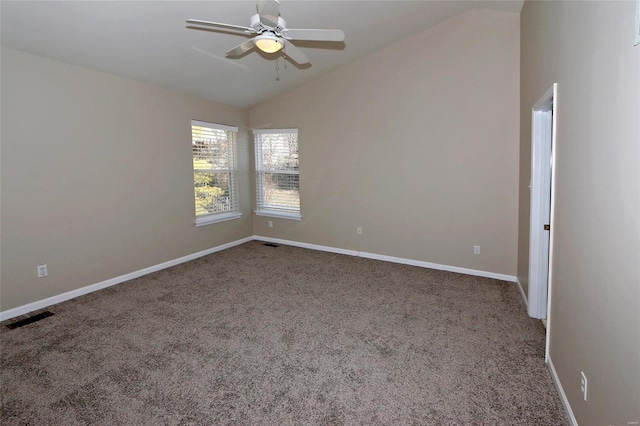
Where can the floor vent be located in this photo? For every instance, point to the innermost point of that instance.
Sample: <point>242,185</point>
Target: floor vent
<point>270,245</point>
<point>29,320</point>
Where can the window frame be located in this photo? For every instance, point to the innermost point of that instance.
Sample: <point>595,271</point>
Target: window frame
<point>262,209</point>
<point>232,161</point>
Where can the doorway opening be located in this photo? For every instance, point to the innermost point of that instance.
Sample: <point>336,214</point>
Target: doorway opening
<point>543,135</point>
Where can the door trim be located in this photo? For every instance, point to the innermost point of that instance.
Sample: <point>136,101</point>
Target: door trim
<point>543,135</point>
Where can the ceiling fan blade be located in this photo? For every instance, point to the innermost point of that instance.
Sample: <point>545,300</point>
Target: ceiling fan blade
<point>220,25</point>
<point>269,10</point>
<point>313,35</point>
<point>294,53</point>
<point>241,48</point>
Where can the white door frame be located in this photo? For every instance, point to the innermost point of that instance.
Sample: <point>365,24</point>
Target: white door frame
<point>543,135</point>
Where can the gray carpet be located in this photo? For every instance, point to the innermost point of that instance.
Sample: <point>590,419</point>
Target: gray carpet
<point>278,336</point>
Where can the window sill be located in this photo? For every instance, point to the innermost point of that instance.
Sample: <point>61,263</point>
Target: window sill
<point>281,215</point>
<point>217,217</point>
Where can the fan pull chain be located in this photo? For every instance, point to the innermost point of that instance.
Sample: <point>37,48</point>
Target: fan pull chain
<point>277,69</point>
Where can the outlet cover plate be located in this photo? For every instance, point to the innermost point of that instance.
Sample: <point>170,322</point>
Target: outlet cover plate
<point>583,385</point>
<point>42,271</point>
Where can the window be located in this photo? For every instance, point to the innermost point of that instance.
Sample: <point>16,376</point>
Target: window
<point>214,172</point>
<point>277,173</point>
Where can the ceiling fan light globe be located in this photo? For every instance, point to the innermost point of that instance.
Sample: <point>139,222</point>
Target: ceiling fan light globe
<point>268,43</point>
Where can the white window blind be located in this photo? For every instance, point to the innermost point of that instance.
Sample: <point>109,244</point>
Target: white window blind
<point>277,171</point>
<point>214,169</point>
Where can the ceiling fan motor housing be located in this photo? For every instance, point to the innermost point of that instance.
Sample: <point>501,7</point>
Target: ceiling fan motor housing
<point>260,27</point>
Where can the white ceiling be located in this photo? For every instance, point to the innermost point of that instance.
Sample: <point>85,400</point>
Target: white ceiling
<point>149,40</point>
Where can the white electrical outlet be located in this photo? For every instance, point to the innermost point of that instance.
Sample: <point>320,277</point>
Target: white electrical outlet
<point>359,230</point>
<point>270,224</point>
<point>476,249</point>
<point>42,271</point>
<point>583,385</point>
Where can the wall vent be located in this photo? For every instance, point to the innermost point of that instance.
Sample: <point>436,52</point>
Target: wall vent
<point>30,320</point>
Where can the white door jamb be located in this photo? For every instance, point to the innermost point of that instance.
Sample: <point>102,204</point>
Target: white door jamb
<point>543,128</point>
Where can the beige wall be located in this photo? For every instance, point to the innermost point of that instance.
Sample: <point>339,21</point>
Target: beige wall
<point>587,48</point>
<point>417,144</point>
<point>97,177</point>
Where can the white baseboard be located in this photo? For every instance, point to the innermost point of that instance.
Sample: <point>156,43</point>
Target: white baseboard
<point>563,396</point>
<point>522,293</point>
<point>34,306</point>
<point>30,307</point>
<point>305,245</point>
<point>438,266</point>
<point>401,260</point>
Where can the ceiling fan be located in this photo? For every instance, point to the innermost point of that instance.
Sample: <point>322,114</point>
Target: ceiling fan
<point>272,34</point>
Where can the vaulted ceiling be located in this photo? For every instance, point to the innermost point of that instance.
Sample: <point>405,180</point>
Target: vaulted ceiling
<point>149,40</point>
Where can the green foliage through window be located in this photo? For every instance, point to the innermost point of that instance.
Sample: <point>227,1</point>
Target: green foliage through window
<point>213,169</point>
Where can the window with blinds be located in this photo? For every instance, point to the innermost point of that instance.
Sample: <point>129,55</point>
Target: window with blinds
<point>214,171</point>
<point>277,173</point>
